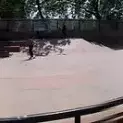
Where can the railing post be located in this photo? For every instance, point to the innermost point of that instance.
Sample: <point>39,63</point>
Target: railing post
<point>77,119</point>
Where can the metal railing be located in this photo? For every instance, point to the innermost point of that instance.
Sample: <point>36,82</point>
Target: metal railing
<point>71,113</point>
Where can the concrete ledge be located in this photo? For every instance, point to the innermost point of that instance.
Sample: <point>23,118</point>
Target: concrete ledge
<point>12,48</point>
<point>4,54</point>
<point>19,43</point>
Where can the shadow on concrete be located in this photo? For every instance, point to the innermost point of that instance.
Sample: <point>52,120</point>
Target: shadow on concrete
<point>110,38</point>
<point>46,46</point>
<point>29,59</point>
<point>107,37</point>
<point>113,42</point>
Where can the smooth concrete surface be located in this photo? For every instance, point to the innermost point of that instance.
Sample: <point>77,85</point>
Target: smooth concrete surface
<point>85,74</point>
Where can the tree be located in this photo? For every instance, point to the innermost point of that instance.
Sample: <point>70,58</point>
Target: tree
<point>39,9</point>
<point>86,9</point>
<point>102,9</point>
<point>12,9</point>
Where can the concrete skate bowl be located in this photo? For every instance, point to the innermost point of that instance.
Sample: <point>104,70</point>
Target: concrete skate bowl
<point>83,77</point>
<point>76,113</point>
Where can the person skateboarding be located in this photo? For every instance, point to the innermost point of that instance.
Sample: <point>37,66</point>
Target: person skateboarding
<point>30,48</point>
<point>64,31</point>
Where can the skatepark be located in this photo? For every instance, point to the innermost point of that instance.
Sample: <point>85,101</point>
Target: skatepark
<point>82,74</point>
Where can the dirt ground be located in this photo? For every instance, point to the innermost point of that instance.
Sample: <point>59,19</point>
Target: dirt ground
<point>84,74</point>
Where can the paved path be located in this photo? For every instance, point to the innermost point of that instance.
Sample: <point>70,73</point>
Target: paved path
<point>86,75</point>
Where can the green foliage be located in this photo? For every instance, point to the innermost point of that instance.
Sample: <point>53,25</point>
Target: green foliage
<point>105,9</point>
<point>12,9</point>
<point>100,9</point>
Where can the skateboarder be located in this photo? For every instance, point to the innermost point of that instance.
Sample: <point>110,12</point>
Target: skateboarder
<point>31,48</point>
<point>64,29</point>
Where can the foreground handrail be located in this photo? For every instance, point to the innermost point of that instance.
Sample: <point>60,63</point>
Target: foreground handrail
<point>77,113</point>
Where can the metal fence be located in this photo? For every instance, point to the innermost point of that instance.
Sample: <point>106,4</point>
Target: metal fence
<point>72,113</point>
<point>56,24</point>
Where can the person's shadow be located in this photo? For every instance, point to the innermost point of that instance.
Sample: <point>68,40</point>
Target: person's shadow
<point>29,59</point>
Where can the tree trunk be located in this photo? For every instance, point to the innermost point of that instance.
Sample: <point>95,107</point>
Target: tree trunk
<point>40,13</point>
<point>39,9</point>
